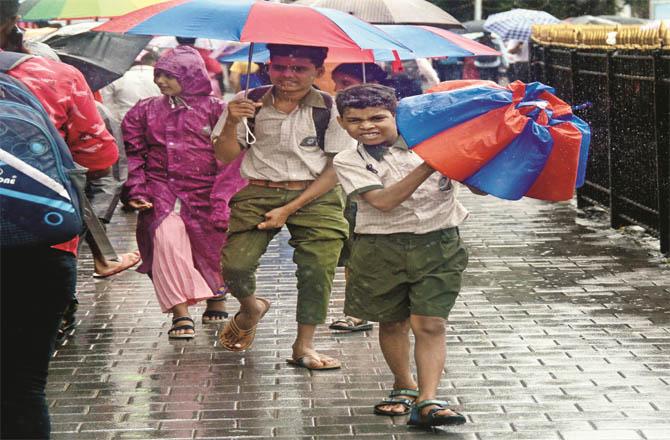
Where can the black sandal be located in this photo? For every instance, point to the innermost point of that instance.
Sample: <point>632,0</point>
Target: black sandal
<point>214,316</point>
<point>176,327</point>
<point>348,324</point>
<point>394,399</point>
<point>432,418</point>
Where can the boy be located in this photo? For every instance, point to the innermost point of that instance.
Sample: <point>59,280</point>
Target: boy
<point>406,263</point>
<point>291,182</point>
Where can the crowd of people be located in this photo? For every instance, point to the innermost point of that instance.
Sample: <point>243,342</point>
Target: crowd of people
<point>213,182</point>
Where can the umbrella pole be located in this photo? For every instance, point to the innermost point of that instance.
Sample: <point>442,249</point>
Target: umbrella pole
<point>363,70</point>
<point>249,57</point>
<point>251,139</point>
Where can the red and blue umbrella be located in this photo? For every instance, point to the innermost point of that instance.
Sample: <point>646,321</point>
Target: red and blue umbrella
<point>252,21</point>
<point>424,42</point>
<point>514,141</point>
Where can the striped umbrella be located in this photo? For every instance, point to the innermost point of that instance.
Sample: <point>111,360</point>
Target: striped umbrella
<point>514,141</point>
<point>32,10</point>
<point>516,24</point>
<point>424,42</point>
<point>251,21</point>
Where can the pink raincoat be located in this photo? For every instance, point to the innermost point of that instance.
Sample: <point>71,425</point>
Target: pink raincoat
<point>170,157</point>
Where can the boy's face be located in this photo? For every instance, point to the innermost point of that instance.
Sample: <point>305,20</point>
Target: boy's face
<point>293,75</point>
<point>370,125</point>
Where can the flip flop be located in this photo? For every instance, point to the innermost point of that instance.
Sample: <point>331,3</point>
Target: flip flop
<point>127,261</point>
<point>348,323</point>
<point>243,338</point>
<point>300,362</point>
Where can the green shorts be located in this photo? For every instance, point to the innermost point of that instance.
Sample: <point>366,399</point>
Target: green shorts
<point>395,275</point>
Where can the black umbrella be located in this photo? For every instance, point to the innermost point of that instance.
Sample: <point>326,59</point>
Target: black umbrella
<point>101,57</point>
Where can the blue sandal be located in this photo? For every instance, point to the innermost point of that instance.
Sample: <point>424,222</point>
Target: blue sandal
<point>432,418</point>
<point>176,327</point>
<point>394,399</point>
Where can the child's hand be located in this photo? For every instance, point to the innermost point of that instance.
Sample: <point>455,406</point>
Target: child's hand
<point>140,205</point>
<point>242,108</point>
<point>274,219</point>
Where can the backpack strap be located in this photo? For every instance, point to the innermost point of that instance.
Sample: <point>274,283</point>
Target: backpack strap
<point>9,60</point>
<point>320,115</point>
<point>256,95</point>
<point>321,118</point>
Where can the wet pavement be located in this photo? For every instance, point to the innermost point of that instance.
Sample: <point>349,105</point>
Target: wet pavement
<point>562,331</point>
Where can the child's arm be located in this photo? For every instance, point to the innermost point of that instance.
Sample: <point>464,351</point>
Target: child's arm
<point>388,198</point>
<point>226,147</point>
<point>326,181</point>
<point>134,129</point>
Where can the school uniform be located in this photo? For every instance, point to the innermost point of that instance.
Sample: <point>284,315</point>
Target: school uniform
<point>280,165</point>
<point>408,260</point>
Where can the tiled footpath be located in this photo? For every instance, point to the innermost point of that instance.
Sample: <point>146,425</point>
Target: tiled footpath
<point>562,331</point>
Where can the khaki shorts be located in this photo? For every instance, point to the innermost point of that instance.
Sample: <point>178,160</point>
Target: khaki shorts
<point>393,276</point>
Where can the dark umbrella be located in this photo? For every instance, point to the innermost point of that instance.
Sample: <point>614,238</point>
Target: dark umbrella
<point>101,57</point>
<point>417,12</point>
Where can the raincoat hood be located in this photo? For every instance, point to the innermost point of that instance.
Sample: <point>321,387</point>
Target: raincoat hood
<point>187,66</point>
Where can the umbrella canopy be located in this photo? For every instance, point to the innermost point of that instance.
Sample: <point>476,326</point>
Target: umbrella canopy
<point>101,57</point>
<point>516,24</point>
<point>250,21</point>
<point>31,10</point>
<point>424,42</point>
<point>514,141</point>
<point>391,11</point>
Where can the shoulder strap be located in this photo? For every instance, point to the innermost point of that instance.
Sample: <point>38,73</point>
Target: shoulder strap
<point>321,118</point>
<point>9,60</point>
<point>256,95</point>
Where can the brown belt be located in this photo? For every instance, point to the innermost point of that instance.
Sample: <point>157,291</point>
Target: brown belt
<point>289,184</point>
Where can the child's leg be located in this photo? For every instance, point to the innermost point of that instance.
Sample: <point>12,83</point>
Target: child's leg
<point>429,354</point>
<point>395,345</point>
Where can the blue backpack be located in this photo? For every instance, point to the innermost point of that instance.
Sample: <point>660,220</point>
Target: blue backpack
<point>39,181</point>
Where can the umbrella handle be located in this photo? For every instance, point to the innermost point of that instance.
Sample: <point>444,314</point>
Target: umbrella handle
<point>251,139</point>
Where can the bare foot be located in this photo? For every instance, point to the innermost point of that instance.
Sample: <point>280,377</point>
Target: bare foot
<point>104,269</point>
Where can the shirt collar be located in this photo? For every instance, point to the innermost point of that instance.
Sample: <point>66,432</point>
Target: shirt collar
<point>378,152</point>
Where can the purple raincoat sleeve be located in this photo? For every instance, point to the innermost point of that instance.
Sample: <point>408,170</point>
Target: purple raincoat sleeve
<point>134,128</point>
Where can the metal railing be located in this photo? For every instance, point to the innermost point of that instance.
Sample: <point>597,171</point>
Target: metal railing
<point>625,73</point>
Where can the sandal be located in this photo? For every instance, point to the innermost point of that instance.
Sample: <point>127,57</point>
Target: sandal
<point>176,327</point>
<point>432,418</point>
<point>233,338</point>
<point>351,324</point>
<point>395,399</point>
<point>214,316</point>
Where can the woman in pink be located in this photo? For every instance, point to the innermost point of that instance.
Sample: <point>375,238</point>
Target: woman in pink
<point>180,189</point>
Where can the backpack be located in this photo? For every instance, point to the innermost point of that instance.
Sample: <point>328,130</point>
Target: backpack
<point>39,180</point>
<point>321,116</point>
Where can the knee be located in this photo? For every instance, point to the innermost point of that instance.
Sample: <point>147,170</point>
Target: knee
<point>394,327</point>
<point>429,326</point>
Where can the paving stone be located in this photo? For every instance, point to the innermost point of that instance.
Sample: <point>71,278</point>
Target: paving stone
<point>561,331</point>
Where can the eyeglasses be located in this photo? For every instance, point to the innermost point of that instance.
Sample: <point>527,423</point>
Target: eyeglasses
<point>280,68</point>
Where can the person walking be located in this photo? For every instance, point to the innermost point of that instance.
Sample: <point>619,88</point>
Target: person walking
<point>27,344</point>
<point>291,182</point>
<point>407,261</point>
<point>180,189</point>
